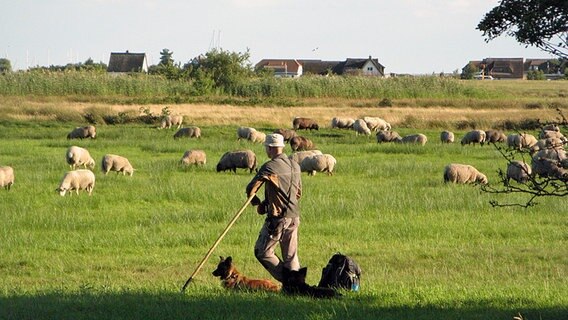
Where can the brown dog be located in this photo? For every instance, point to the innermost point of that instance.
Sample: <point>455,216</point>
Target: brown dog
<point>233,279</point>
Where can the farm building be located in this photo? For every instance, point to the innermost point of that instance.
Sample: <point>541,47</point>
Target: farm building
<point>124,62</point>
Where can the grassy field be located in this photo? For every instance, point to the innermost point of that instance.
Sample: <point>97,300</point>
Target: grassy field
<point>428,250</point>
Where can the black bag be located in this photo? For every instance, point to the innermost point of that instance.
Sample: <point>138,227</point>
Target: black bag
<point>341,272</point>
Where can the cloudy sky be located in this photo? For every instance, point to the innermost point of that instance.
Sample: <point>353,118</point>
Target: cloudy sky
<point>407,36</point>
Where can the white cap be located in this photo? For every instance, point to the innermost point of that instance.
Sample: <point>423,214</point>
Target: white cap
<point>274,140</point>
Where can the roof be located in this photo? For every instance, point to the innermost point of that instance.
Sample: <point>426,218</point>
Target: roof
<point>280,65</point>
<point>126,62</point>
<point>318,66</point>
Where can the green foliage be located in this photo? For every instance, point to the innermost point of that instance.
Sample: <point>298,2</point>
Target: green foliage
<point>469,71</point>
<point>226,69</point>
<point>5,66</point>
<point>536,75</point>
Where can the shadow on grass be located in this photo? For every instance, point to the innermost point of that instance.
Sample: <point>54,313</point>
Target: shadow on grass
<point>223,305</point>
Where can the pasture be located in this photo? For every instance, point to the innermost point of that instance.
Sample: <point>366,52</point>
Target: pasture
<point>428,250</point>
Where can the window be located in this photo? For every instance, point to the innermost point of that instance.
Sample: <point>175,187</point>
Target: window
<point>369,68</point>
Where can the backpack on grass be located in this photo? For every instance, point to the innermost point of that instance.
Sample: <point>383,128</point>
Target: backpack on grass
<point>341,272</point>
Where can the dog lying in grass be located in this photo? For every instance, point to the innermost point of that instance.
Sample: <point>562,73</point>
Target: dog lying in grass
<point>233,279</point>
<point>295,283</point>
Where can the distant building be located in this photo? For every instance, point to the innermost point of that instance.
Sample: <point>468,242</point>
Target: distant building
<point>513,68</point>
<point>296,68</point>
<point>125,62</point>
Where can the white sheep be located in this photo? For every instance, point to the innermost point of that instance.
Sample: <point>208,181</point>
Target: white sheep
<point>77,156</point>
<point>387,136</point>
<point>514,141</point>
<point>552,154</point>
<point>551,127</point>
<point>474,136</point>
<point>171,120</point>
<point>244,132</point>
<point>257,136</point>
<point>447,137</point>
<point>519,171</point>
<point>318,163</point>
<point>545,134</point>
<point>113,162</point>
<point>375,124</point>
<point>6,177</point>
<point>196,157</point>
<point>549,168</point>
<point>299,156</point>
<point>360,127</point>
<point>342,123</point>
<point>83,133</point>
<point>528,140</point>
<point>419,138</point>
<point>80,179</point>
<point>548,143</point>
<point>463,173</point>
<point>189,132</point>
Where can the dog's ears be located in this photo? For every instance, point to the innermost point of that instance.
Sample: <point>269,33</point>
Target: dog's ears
<point>229,259</point>
<point>221,257</point>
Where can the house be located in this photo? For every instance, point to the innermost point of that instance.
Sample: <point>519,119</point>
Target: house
<point>287,68</point>
<point>351,66</point>
<point>513,68</point>
<point>123,62</point>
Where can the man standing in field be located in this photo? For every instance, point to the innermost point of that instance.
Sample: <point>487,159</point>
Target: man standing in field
<point>283,188</point>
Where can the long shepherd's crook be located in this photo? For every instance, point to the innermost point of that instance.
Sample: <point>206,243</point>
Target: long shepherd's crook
<point>218,240</point>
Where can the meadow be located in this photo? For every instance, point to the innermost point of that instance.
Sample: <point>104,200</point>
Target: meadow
<point>428,250</point>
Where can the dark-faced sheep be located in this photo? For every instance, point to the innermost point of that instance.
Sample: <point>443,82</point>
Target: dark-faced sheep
<point>83,133</point>
<point>6,177</point>
<point>189,132</point>
<point>300,143</point>
<point>447,137</point>
<point>300,123</point>
<point>463,173</point>
<point>232,160</point>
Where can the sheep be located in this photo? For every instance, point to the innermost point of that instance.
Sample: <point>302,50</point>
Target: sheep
<point>551,127</point>
<point>548,143</point>
<point>257,136</point>
<point>474,136</point>
<point>549,168</point>
<point>77,156</point>
<point>447,137</point>
<point>528,140</point>
<point>189,132</point>
<point>196,157</point>
<point>244,132</point>
<point>545,134</point>
<point>171,120</point>
<point>413,138</point>
<point>360,127</point>
<point>300,143</point>
<point>495,136</point>
<point>113,162</point>
<point>375,124</point>
<point>552,154</point>
<point>342,123</point>
<point>387,136</point>
<point>299,156</point>
<point>6,177</point>
<point>463,173</point>
<point>83,133</point>
<point>286,133</point>
<point>319,162</point>
<point>80,179</point>
<point>519,171</point>
<point>237,159</point>
<point>514,141</point>
<point>304,123</point>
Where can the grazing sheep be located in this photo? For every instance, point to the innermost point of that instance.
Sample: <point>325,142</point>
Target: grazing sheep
<point>518,171</point>
<point>548,143</point>
<point>447,137</point>
<point>171,120</point>
<point>300,143</point>
<point>244,132</point>
<point>6,177</point>
<point>304,123</point>
<point>77,156</point>
<point>189,132</point>
<point>514,141</point>
<point>81,179</point>
<point>113,162</point>
<point>257,136</point>
<point>413,138</point>
<point>375,124</point>
<point>495,136</point>
<point>387,136</point>
<point>342,123</point>
<point>551,127</point>
<point>549,168</point>
<point>528,140</point>
<point>463,173</point>
<point>286,133</point>
<point>318,163</point>
<point>360,127</point>
<point>232,160</point>
<point>474,136</point>
<point>299,156</point>
<point>83,133</point>
<point>196,157</point>
<point>552,154</point>
<point>545,134</point>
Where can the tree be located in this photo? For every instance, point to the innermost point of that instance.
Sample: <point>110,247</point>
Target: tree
<point>225,68</point>
<point>469,71</point>
<point>5,66</point>
<point>540,23</point>
<point>166,57</point>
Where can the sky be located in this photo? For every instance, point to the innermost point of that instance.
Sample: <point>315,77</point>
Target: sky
<point>406,36</point>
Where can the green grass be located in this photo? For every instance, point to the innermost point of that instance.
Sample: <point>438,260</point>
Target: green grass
<point>428,250</point>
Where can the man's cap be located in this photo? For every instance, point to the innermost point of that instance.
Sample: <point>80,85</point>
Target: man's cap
<point>274,140</point>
